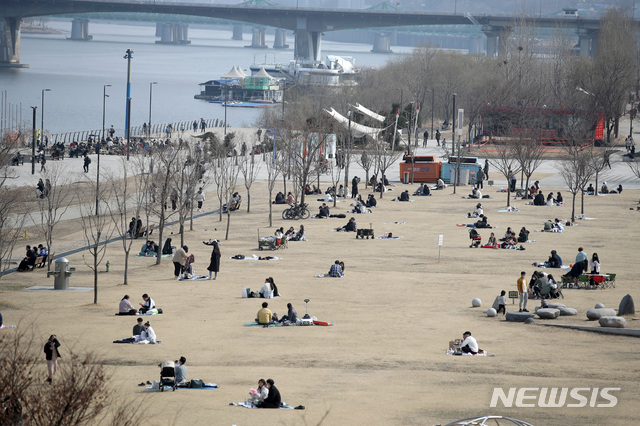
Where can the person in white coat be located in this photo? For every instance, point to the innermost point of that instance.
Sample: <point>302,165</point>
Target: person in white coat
<point>148,335</point>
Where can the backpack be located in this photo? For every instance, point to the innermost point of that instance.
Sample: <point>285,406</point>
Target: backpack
<point>196,384</point>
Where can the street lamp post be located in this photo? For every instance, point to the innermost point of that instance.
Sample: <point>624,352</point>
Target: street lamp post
<point>128,126</point>
<point>226,100</point>
<point>42,116</point>
<point>150,96</point>
<point>33,142</point>
<point>128,56</point>
<point>98,146</point>
<point>432,105</point>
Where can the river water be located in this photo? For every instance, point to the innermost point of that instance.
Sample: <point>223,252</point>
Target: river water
<point>76,72</point>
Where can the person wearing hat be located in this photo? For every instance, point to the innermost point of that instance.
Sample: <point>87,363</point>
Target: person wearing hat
<point>181,372</point>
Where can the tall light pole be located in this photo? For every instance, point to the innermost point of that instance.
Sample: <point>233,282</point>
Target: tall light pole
<point>128,56</point>
<point>42,116</point>
<point>33,143</point>
<point>128,126</point>
<point>98,146</point>
<point>150,96</point>
<point>226,100</point>
<point>432,105</point>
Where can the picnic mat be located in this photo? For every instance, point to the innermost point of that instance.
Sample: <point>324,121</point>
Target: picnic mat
<point>386,237</point>
<point>205,386</point>
<point>254,257</point>
<point>144,342</point>
<point>394,223</point>
<point>7,326</point>
<point>154,256</point>
<point>283,405</point>
<point>510,211</point>
<point>194,278</point>
<point>255,324</point>
<point>325,276</point>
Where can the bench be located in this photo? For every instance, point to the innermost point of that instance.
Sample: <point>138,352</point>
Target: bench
<point>39,263</point>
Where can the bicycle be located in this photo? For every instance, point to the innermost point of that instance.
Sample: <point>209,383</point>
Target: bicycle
<point>296,211</point>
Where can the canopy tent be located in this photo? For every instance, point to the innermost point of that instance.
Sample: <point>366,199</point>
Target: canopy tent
<point>234,73</point>
<point>368,112</point>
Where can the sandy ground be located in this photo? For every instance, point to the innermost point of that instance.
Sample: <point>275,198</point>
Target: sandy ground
<point>383,361</point>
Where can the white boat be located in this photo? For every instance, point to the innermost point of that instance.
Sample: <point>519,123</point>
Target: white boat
<point>334,71</point>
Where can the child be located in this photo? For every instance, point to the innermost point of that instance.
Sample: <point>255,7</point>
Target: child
<point>501,301</point>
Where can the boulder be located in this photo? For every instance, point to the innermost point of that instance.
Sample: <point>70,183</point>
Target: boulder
<point>556,305</point>
<point>596,313</point>
<point>599,305</point>
<point>476,303</point>
<point>548,313</point>
<point>518,316</point>
<point>566,312</point>
<point>529,321</point>
<point>612,321</point>
<point>626,306</point>
<point>491,312</point>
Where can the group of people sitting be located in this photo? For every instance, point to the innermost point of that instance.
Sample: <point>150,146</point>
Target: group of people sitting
<point>292,235</point>
<point>281,199</point>
<point>31,256</point>
<point>150,248</point>
<point>146,306</point>
<point>337,269</point>
<point>265,396</point>
<point>475,193</point>
<point>362,206</point>
<point>423,190</point>
<point>509,241</point>
<point>234,203</point>
<point>553,226</point>
<point>554,261</point>
<point>265,316</point>
<point>604,189</point>
<point>351,226</point>
<point>544,286</point>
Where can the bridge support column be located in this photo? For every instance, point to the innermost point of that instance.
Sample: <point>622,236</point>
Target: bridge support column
<point>308,45</point>
<point>80,30</point>
<point>10,43</point>
<point>475,45</point>
<point>280,40</point>
<point>587,42</point>
<point>172,33</point>
<point>257,39</point>
<point>497,39</point>
<point>237,32</point>
<point>381,43</point>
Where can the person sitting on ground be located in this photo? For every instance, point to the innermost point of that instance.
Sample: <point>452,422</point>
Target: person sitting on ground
<point>604,189</point>
<point>482,223</point>
<point>181,372</point>
<point>148,335</point>
<point>420,189</point>
<point>147,305</point>
<point>373,181</point>
<point>523,237</point>
<point>279,198</point>
<point>380,187</point>
<point>404,196</point>
<point>324,211</point>
<point>290,200</point>
<point>509,242</point>
<point>371,201</point>
<point>507,234</point>
<point>167,249</point>
<point>188,266</point>
<point>291,316</point>
<point>475,193</point>
<point>125,307</point>
<point>558,226</point>
<point>300,235</point>
<point>554,287</point>
<point>359,208</point>
<point>554,261</point>
<point>559,199</point>
<point>351,226</point>
<point>269,289</point>
<point>539,199</point>
<point>290,233</point>
<point>479,211</point>
<point>550,200</point>
<point>336,270</point>
<point>491,242</point>
<point>234,203</point>
<point>260,393</point>
<point>273,400</point>
<point>341,191</point>
<point>138,328</point>
<point>440,184</point>
<point>619,190</point>
<point>264,315</point>
<point>147,249</point>
<point>502,303</point>
<point>469,345</point>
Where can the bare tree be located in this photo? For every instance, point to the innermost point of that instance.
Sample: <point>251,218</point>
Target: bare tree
<point>507,165</point>
<point>185,183</point>
<point>11,208</point>
<point>365,161</point>
<point>576,171</point>
<point>249,170</point>
<point>78,395</point>
<point>529,153</point>
<point>97,233</point>
<point>58,198</point>
<point>385,158</point>
<point>274,166</point>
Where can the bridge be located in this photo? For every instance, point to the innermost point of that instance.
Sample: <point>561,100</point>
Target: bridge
<point>308,24</point>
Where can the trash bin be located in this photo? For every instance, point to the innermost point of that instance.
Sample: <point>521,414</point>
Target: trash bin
<point>405,177</point>
<point>61,273</point>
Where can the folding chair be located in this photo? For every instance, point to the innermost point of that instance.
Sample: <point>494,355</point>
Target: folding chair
<point>610,281</point>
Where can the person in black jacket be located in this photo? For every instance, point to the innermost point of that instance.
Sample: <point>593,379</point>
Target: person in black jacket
<point>273,400</point>
<point>539,199</point>
<point>52,354</point>
<point>214,265</point>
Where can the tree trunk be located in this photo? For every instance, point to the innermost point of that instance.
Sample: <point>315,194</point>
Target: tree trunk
<point>249,200</point>
<point>95,274</point>
<point>270,208</point>
<point>160,232</point>
<point>573,207</point>
<point>126,266</point>
<point>581,201</point>
<point>226,237</point>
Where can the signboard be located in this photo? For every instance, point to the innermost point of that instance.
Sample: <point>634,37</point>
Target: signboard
<point>513,295</point>
<point>460,121</point>
<point>440,239</point>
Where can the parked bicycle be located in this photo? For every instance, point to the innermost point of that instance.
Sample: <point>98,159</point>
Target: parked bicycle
<point>296,211</point>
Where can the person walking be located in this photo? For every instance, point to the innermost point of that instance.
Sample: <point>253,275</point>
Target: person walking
<point>87,161</point>
<point>513,180</point>
<point>523,291</point>
<point>354,187</point>
<point>51,352</point>
<point>438,134</point>
<point>486,169</point>
<point>426,138</point>
<point>200,198</point>
<point>43,161</point>
<point>479,179</point>
<point>203,125</point>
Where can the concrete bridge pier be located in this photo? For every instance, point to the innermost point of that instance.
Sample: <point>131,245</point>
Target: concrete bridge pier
<point>10,43</point>
<point>172,33</point>
<point>307,45</point>
<point>588,42</point>
<point>80,30</point>
<point>497,39</point>
<point>382,43</point>
<point>237,32</point>
<point>257,39</point>
<point>280,40</point>
<point>476,45</point>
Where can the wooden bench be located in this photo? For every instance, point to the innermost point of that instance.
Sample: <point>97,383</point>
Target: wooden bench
<point>39,262</point>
